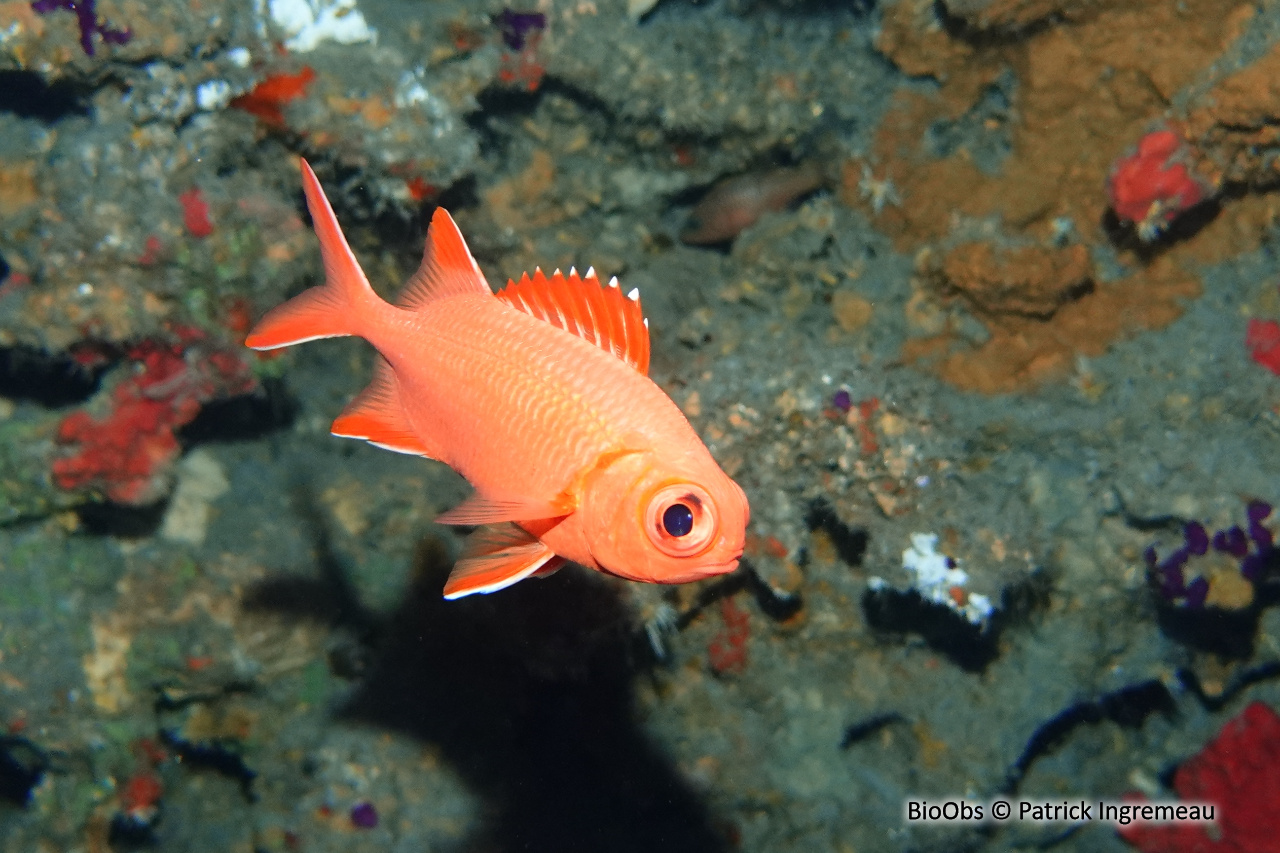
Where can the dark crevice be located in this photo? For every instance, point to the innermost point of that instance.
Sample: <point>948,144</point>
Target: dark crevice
<point>850,542</point>
<point>53,380</point>
<point>498,101</point>
<point>121,520</point>
<point>219,756</point>
<point>1239,681</point>
<point>495,104</point>
<point>778,606</point>
<point>1128,707</point>
<point>712,592</point>
<point>1124,235</point>
<point>27,95</point>
<point>860,731</point>
<point>243,418</point>
<point>501,102</point>
<point>22,767</point>
<point>1228,633</point>
<point>970,646</point>
<point>461,194</point>
<point>962,30</point>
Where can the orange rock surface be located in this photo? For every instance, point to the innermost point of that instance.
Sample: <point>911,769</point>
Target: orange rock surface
<point>1236,124</point>
<point>1085,92</point>
<point>1007,15</point>
<point>1031,281</point>
<point>1023,351</point>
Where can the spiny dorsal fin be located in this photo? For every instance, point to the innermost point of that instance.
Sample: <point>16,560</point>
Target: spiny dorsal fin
<point>447,268</point>
<point>584,307</point>
<point>377,416</point>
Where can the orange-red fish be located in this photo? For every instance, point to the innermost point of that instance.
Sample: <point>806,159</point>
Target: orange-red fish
<point>538,395</point>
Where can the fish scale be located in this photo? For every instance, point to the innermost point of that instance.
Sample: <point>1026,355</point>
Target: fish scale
<point>512,367</point>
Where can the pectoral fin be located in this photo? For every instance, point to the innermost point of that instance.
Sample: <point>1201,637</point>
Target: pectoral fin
<point>495,557</point>
<point>479,509</point>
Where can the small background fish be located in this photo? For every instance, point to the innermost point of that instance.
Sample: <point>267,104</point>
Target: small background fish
<point>736,203</point>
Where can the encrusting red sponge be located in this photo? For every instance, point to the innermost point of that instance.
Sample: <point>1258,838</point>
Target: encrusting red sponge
<point>1237,773</point>
<point>1263,340</point>
<point>127,455</point>
<point>1153,186</point>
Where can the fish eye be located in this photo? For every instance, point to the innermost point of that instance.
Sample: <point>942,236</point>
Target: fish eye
<point>677,520</point>
<point>680,519</point>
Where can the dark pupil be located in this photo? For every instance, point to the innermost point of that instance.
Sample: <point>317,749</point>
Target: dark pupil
<point>677,520</point>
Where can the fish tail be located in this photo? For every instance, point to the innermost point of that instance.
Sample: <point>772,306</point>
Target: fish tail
<point>331,310</point>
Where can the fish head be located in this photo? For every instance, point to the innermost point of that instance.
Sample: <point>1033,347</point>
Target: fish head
<point>656,521</point>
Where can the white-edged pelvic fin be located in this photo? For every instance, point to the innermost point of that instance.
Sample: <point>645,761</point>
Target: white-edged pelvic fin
<point>447,267</point>
<point>494,558</point>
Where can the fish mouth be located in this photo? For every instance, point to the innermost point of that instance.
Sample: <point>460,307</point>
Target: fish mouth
<point>701,572</point>
<point>722,568</point>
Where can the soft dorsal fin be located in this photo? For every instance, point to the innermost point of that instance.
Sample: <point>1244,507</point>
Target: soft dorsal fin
<point>447,268</point>
<point>377,416</point>
<point>584,307</point>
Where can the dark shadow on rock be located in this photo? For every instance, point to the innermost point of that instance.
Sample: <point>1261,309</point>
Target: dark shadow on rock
<point>327,595</point>
<point>104,518</point>
<point>244,417</point>
<point>1229,634</point>
<point>528,695</point>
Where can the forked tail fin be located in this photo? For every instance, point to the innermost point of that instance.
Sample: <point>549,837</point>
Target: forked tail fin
<point>330,310</point>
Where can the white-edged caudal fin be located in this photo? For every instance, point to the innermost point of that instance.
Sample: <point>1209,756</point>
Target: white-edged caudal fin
<point>447,268</point>
<point>330,310</point>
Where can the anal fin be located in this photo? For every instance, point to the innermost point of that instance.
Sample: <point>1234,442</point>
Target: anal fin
<point>377,416</point>
<point>494,558</point>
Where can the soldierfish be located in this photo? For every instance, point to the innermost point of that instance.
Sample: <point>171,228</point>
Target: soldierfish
<point>539,396</point>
